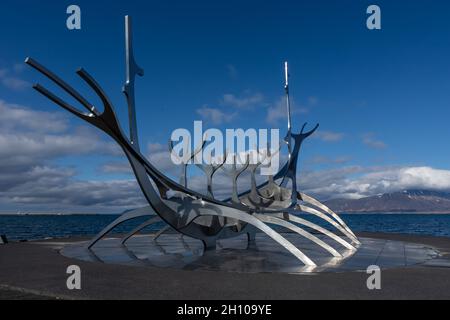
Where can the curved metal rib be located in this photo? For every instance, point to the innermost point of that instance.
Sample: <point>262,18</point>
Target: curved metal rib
<point>89,106</point>
<point>161,232</point>
<point>328,233</point>
<point>329,220</point>
<point>272,187</point>
<point>209,171</point>
<point>146,211</point>
<point>183,177</point>
<point>257,223</point>
<point>61,103</point>
<point>108,115</point>
<point>198,209</point>
<point>283,223</point>
<point>291,166</point>
<point>255,198</point>
<point>234,173</point>
<point>316,203</point>
<point>140,227</point>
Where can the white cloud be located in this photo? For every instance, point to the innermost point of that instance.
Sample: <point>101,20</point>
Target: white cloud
<point>312,101</point>
<point>410,178</point>
<point>278,111</point>
<point>215,116</point>
<point>117,167</point>
<point>329,136</point>
<point>245,101</point>
<point>329,160</point>
<point>46,146</point>
<point>13,115</point>
<point>158,154</point>
<point>10,79</point>
<point>56,189</point>
<point>156,147</point>
<point>232,71</point>
<point>30,141</point>
<point>358,182</point>
<point>370,140</point>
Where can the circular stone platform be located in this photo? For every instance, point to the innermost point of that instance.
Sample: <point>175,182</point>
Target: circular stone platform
<point>234,255</point>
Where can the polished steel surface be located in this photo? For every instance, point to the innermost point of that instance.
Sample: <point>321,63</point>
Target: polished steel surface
<point>132,69</point>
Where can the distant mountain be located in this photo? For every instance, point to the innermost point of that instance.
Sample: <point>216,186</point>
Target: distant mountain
<point>423,201</point>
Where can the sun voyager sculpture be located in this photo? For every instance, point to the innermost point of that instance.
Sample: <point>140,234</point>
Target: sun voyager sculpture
<point>277,202</point>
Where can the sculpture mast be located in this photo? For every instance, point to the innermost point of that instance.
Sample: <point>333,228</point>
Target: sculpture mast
<point>288,106</point>
<point>132,69</point>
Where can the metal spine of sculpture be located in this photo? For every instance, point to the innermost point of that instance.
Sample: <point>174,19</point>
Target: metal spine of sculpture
<point>200,216</point>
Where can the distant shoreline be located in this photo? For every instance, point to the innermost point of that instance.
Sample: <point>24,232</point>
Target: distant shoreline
<point>58,214</point>
<point>394,212</point>
<point>117,214</point>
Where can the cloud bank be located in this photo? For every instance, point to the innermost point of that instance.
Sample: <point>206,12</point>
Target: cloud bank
<point>33,179</point>
<point>357,182</point>
<point>30,179</point>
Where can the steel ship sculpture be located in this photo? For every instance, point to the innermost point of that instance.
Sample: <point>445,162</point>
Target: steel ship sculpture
<point>200,216</point>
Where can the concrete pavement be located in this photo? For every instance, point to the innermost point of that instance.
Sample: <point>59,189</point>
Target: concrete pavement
<point>36,270</point>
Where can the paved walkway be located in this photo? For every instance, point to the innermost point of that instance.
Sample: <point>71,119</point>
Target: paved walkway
<point>37,270</point>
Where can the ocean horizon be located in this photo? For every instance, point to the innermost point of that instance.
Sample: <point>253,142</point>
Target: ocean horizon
<point>27,227</point>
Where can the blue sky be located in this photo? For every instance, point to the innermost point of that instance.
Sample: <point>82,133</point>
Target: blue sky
<point>381,96</point>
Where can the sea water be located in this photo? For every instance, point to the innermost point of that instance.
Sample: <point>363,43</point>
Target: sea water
<point>33,227</point>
